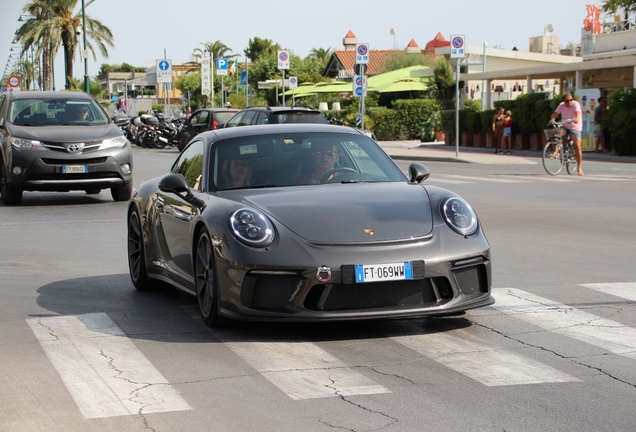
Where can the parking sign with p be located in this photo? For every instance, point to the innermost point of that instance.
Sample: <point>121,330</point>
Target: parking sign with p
<point>221,66</point>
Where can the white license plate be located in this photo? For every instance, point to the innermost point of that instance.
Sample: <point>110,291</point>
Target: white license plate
<point>384,272</point>
<point>74,169</point>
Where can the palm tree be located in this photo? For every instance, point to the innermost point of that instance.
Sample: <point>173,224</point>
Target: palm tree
<point>218,49</point>
<point>53,24</point>
<point>321,54</point>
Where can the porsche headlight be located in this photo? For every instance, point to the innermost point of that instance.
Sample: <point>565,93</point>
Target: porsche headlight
<point>119,141</point>
<point>26,144</point>
<point>460,216</point>
<point>251,228</point>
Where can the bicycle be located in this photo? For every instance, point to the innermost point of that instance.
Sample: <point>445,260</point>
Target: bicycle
<point>555,154</point>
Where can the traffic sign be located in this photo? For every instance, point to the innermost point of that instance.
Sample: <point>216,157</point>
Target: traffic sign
<point>293,82</point>
<point>362,53</point>
<point>458,46</point>
<point>14,81</point>
<point>359,86</point>
<point>221,66</point>
<point>243,78</point>
<point>164,71</point>
<point>283,59</point>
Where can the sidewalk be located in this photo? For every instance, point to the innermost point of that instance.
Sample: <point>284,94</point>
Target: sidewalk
<point>438,151</point>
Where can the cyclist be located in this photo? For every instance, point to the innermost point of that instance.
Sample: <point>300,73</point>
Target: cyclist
<point>570,112</point>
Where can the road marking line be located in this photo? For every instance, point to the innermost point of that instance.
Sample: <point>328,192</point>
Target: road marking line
<point>623,290</point>
<point>480,360</point>
<point>566,320</point>
<point>103,370</point>
<point>301,369</point>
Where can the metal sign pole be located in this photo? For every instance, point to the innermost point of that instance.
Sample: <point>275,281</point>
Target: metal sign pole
<point>457,112</point>
<point>283,86</point>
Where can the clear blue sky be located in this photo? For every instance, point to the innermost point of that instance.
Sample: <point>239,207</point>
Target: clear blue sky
<point>142,29</point>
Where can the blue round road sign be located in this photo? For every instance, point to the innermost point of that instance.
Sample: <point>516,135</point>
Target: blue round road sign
<point>362,50</point>
<point>164,65</point>
<point>283,56</point>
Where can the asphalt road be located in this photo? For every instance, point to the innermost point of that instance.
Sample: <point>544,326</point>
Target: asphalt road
<point>81,349</point>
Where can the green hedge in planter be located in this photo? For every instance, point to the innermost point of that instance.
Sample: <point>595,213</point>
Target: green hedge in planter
<point>621,120</point>
<point>387,123</point>
<point>412,113</point>
<point>525,114</point>
<point>473,122</point>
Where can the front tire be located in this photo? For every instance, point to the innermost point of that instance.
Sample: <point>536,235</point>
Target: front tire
<point>553,163</point>
<point>10,195</point>
<point>137,254</point>
<point>122,194</point>
<point>206,282</point>
<point>571,164</point>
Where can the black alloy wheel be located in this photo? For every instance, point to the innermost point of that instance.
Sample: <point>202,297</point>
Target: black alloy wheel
<point>206,282</point>
<point>136,253</point>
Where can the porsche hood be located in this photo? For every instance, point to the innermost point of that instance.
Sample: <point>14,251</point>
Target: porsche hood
<point>348,213</point>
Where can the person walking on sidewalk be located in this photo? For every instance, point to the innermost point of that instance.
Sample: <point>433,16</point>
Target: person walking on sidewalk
<point>497,128</point>
<point>570,112</point>
<point>507,132</point>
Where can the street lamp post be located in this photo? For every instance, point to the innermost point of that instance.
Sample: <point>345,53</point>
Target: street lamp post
<point>87,81</point>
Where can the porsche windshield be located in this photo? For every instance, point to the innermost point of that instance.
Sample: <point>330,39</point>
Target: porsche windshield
<point>45,112</point>
<point>291,159</point>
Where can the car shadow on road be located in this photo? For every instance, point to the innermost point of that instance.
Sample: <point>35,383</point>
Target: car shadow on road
<point>169,315</point>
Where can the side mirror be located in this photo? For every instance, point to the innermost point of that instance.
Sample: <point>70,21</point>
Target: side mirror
<point>418,172</point>
<point>173,183</point>
<point>220,126</point>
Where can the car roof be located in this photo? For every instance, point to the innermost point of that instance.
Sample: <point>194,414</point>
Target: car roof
<point>219,109</point>
<point>235,132</point>
<point>278,109</point>
<point>49,95</point>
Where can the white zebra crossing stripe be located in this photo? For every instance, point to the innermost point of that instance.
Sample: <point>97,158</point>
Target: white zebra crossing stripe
<point>623,290</point>
<point>566,320</point>
<point>300,369</point>
<point>480,360</point>
<point>102,369</point>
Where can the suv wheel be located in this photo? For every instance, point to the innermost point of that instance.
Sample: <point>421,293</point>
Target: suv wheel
<point>122,194</point>
<point>10,195</point>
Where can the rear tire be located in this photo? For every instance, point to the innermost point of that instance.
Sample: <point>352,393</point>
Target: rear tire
<point>137,253</point>
<point>553,164</point>
<point>122,194</point>
<point>10,195</point>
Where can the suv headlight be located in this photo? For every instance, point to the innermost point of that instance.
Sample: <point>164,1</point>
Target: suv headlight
<point>119,141</point>
<point>26,144</point>
<point>251,228</point>
<point>460,216</point>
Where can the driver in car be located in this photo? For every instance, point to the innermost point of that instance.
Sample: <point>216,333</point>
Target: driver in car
<point>325,156</point>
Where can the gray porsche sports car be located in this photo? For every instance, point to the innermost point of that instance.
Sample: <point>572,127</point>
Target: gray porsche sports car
<point>305,222</point>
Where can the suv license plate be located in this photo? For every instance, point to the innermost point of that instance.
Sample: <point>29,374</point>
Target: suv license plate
<point>383,272</point>
<point>74,169</point>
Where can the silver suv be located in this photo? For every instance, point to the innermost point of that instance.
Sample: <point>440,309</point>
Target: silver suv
<point>60,141</point>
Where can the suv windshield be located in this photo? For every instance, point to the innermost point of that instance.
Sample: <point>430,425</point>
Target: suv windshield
<point>41,112</point>
<point>300,117</point>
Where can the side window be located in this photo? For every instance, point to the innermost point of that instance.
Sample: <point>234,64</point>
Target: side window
<point>247,118</point>
<point>190,165</point>
<point>262,119</point>
<point>235,121</point>
<point>202,117</point>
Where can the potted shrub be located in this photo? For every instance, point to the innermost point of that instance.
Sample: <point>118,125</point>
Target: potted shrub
<point>436,125</point>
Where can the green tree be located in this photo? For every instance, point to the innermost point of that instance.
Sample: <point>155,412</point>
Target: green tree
<point>54,23</point>
<point>259,47</point>
<point>400,60</point>
<point>626,7</point>
<point>218,49</point>
<point>321,54</point>
<point>442,87</point>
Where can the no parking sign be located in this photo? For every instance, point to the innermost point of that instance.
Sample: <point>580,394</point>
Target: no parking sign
<point>362,53</point>
<point>293,82</point>
<point>458,46</point>
<point>283,59</point>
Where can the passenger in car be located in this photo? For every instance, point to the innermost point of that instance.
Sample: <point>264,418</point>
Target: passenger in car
<point>236,173</point>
